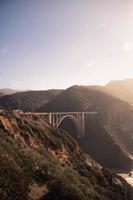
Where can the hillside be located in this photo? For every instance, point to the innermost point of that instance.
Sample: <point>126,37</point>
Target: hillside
<point>1,94</point>
<point>8,91</point>
<point>83,98</point>
<point>38,162</point>
<point>122,89</point>
<point>29,101</point>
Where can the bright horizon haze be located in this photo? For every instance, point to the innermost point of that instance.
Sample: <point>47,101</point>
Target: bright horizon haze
<point>48,44</point>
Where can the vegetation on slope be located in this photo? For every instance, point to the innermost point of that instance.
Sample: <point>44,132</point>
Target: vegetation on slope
<point>29,101</point>
<point>40,162</point>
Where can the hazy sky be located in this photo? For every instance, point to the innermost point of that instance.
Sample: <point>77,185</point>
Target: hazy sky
<point>57,43</point>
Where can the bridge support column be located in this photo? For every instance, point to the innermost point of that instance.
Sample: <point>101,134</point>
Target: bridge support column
<point>81,122</point>
<point>50,118</point>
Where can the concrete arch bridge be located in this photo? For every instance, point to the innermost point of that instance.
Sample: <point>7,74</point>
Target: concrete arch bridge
<point>69,121</point>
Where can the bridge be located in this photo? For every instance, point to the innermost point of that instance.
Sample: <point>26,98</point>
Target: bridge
<point>77,118</point>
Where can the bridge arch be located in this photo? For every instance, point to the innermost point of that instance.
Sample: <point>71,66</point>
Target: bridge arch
<point>70,124</point>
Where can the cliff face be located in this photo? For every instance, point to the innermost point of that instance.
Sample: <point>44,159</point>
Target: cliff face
<point>40,162</point>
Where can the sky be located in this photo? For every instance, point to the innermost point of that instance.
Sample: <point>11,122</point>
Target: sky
<point>58,43</point>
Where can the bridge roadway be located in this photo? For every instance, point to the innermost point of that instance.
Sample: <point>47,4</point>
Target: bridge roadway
<point>78,118</point>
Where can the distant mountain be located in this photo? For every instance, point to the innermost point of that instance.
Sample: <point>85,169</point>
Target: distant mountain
<point>29,101</point>
<point>84,98</point>
<point>122,89</point>
<point>8,91</point>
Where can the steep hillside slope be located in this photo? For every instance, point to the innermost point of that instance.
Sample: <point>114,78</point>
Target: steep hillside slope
<point>83,98</point>
<point>122,89</point>
<point>29,101</point>
<point>40,162</point>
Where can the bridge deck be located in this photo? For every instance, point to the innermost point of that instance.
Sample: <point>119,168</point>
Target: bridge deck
<point>58,113</point>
